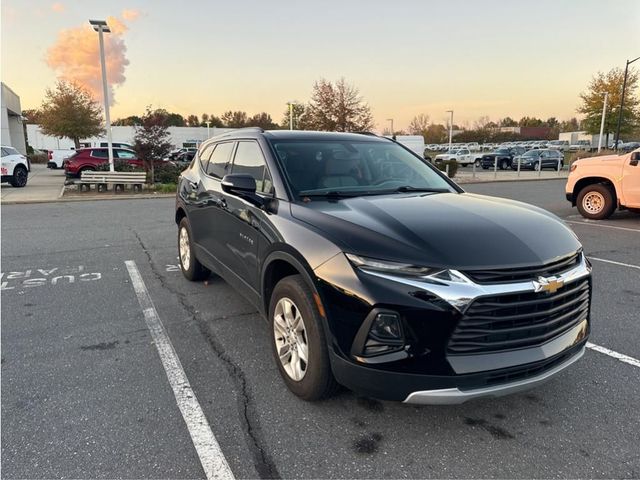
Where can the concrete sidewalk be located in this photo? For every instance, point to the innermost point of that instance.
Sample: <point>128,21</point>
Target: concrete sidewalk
<point>43,185</point>
<point>465,175</point>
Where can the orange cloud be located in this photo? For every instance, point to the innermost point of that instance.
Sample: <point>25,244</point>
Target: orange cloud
<point>76,57</point>
<point>57,7</point>
<point>130,14</point>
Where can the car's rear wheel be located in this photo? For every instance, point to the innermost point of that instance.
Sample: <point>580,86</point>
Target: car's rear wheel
<point>477,163</point>
<point>504,164</point>
<point>191,268</point>
<point>596,202</point>
<point>299,342</point>
<point>20,176</point>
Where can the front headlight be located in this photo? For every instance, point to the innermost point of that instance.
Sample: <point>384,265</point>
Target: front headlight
<point>390,267</point>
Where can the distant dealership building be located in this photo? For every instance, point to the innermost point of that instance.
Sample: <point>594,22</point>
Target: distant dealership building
<point>530,133</point>
<point>179,136</point>
<point>11,120</point>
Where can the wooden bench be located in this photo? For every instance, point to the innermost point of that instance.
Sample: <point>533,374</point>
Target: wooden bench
<point>118,179</point>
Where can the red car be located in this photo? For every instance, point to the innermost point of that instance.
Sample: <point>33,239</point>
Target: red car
<point>89,158</point>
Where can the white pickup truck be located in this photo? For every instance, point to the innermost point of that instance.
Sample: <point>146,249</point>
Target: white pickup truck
<point>463,156</point>
<point>55,158</point>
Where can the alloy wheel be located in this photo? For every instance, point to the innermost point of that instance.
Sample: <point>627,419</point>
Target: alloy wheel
<point>20,177</point>
<point>184,249</point>
<point>291,338</point>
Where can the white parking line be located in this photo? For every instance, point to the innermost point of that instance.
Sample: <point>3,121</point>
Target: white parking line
<point>211,457</point>
<point>614,262</point>
<point>589,224</point>
<point>618,356</point>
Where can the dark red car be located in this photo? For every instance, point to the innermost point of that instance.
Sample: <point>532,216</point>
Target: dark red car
<point>90,158</point>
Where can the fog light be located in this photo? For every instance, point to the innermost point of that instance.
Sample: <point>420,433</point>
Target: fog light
<point>386,326</point>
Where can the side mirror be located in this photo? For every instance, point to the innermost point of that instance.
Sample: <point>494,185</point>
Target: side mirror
<point>239,183</point>
<point>635,157</point>
<point>244,186</point>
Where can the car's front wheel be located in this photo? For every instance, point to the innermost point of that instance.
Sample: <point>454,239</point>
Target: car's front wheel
<point>537,167</point>
<point>504,165</point>
<point>20,176</point>
<point>191,268</point>
<point>596,202</point>
<point>299,342</point>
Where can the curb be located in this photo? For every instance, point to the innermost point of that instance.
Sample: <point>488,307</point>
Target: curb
<point>92,198</point>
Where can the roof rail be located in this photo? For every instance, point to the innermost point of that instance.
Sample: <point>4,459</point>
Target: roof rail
<point>366,133</point>
<point>242,129</point>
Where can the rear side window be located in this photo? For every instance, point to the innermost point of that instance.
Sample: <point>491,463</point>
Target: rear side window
<point>250,161</point>
<point>205,155</point>
<point>100,153</point>
<point>125,154</point>
<point>218,165</point>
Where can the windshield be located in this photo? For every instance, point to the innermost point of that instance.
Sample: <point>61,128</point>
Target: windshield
<point>316,167</point>
<point>502,150</point>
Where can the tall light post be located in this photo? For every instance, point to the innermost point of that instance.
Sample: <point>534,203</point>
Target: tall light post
<point>291,104</point>
<point>208,123</point>
<point>391,120</point>
<point>101,27</point>
<point>450,127</point>
<point>604,111</point>
<point>624,87</point>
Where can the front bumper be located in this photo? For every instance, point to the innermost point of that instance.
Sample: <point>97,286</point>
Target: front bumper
<point>429,369</point>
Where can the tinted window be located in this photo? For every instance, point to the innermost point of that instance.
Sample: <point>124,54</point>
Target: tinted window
<point>125,154</point>
<point>249,160</point>
<point>100,153</point>
<point>204,156</point>
<point>4,153</point>
<point>218,165</point>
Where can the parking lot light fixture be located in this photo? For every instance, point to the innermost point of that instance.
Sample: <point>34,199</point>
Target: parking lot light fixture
<point>450,127</point>
<point>101,27</point>
<point>624,87</point>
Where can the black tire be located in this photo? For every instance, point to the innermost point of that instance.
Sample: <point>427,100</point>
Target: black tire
<point>485,167</point>
<point>504,164</point>
<point>318,381</point>
<point>195,271</point>
<point>19,177</point>
<point>85,169</point>
<point>593,195</point>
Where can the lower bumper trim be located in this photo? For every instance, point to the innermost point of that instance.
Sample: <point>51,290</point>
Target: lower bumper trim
<point>454,396</point>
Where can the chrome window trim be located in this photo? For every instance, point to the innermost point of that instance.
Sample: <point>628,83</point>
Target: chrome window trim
<point>462,293</point>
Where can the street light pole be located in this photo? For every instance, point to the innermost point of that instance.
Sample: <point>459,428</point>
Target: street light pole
<point>450,127</point>
<point>101,27</point>
<point>291,104</point>
<point>208,123</point>
<point>604,110</point>
<point>391,120</point>
<point>624,87</point>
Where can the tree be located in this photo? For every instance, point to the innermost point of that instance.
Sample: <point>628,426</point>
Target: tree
<point>193,121</point>
<point>338,107</point>
<point>262,120</point>
<point>508,122</point>
<point>31,116</point>
<point>70,111</point>
<point>129,121</point>
<point>299,116</point>
<point>151,140</point>
<point>436,133</point>
<point>235,119</point>
<point>571,125</point>
<point>175,120</point>
<point>593,98</point>
<point>419,124</point>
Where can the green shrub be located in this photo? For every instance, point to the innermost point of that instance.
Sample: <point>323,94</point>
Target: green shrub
<point>38,158</point>
<point>453,167</point>
<point>167,188</point>
<point>167,174</point>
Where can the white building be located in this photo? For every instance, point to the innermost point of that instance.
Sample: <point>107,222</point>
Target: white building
<point>11,120</point>
<point>179,137</point>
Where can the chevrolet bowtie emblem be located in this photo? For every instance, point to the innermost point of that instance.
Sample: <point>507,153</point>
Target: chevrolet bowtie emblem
<point>549,285</point>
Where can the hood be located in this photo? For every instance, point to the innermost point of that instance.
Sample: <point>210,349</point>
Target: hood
<point>612,160</point>
<point>463,231</point>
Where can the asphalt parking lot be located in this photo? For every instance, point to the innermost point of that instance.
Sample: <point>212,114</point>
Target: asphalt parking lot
<point>85,393</point>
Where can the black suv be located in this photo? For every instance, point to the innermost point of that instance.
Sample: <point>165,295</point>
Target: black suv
<point>377,272</point>
<point>539,159</point>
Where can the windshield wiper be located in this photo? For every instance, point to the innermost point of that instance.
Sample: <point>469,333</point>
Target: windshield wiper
<point>329,194</point>
<point>409,188</point>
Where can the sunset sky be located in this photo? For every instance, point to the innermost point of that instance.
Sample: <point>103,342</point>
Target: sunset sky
<point>481,57</point>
